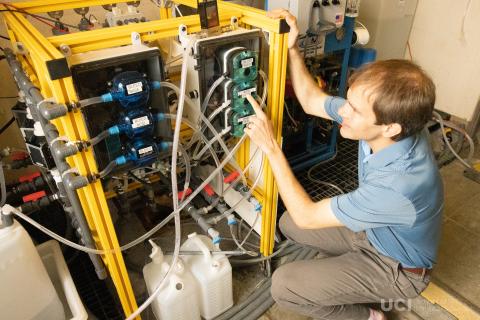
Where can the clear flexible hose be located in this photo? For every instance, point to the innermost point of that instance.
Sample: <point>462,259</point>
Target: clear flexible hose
<point>208,145</point>
<point>100,137</point>
<point>204,139</point>
<point>144,236</point>
<point>3,188</point>
<point>188,170</point>
<point>87,102</point>
<point>466,162</point>
<point>106,171</point>
<point>210,93</point>
<point>176,215</point>
<point>209,125</point>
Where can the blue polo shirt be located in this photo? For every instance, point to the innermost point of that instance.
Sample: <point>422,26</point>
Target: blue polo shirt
<point>399,200</point>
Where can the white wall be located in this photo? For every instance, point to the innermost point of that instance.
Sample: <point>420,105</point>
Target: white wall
<point>450,56</point>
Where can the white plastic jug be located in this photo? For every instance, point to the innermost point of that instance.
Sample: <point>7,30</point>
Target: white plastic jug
<point>213,273</point>
<point>178,298</point>
<point>26,291</point>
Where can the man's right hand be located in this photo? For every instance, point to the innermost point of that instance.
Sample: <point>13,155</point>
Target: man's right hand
<point>291,21</point>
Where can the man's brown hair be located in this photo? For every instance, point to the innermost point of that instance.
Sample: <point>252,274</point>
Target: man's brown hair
<point>401,93</point>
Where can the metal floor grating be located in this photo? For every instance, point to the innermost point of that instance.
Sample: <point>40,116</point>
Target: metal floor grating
<point>94,293</point>
<point>341,171</point>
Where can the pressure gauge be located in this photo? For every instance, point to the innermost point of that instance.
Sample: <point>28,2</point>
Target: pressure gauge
<point>107,7</point>
<point>55,14</point>
<point>82,11</point>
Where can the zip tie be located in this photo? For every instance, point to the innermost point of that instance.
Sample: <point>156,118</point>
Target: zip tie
<point>60,138</point>
<point>71,170</point>
<point>52,100</point>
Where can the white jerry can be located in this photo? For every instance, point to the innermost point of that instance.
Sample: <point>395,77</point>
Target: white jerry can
<point>178,298</point>
<point>26,290</point>
<point>213,273</point>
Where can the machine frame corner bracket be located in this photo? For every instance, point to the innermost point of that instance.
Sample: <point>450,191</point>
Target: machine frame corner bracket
<point>234,22</point>
<point>136,38</point>
<point>283,27</point>
<point>58,69</point>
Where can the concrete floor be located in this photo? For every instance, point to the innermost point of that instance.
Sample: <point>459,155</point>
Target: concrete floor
<point>458,268</point>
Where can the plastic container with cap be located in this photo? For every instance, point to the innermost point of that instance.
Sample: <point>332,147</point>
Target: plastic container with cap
<point>179,290</point>
<point>26,290</point>
<point>213,273</point>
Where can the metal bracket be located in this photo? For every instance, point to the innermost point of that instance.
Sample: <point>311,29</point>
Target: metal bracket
<point>234,23</point>
<point>136,39</point>
<point>166,3</point>
<point>66,50</point>
<point>182,35</point>
<point>19,48</point>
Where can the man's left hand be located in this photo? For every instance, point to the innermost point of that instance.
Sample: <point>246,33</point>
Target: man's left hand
<point>260,129</point>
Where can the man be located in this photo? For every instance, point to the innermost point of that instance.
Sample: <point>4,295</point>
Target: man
<point>376,243</point>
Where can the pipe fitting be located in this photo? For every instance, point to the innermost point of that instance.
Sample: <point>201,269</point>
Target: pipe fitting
<point>7,216</point>
<point>50,110</point>
<point>215,235</point>
<point>74,182</point>
<point>63,150</point>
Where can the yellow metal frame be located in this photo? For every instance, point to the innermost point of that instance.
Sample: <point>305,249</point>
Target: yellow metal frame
<point>40,49</point>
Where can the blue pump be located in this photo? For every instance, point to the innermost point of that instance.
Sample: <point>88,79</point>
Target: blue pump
<point>130,89</point>
<point>142,152</point>
<point>135,123</point>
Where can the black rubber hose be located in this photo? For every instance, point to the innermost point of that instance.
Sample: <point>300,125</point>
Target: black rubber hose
<point>229,314</point>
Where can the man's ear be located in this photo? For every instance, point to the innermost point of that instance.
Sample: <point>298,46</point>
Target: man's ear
<point>391,130</point>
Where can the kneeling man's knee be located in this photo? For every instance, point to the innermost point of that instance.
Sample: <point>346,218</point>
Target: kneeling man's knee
<point>280,280</point>
<point>287,226</point>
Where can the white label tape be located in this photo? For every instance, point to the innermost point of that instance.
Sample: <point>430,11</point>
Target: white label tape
<point>247,63</point>
<point>140,122</point>
<point>134,87</point>
<point>145,151</point>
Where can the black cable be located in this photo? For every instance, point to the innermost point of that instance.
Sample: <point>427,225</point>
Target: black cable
<point>39,17</point>
<point>131,174</point>
<point>8,124</point>
<point>11,97</point>
<point>4,37</point>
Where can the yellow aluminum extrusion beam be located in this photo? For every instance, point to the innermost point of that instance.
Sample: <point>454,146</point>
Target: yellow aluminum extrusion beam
<point>277,73</point>
<point>276,116</point>
<point>92,197</point>
<point>41,6</point>
<point>248,15</point>
<point>121,35</point>
<point>266,168</point>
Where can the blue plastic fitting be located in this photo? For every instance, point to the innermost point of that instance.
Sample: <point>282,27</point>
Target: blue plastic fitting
<point>114,130</point>
<point>121,160</point>
<point>164,145</point>
<point>231,221</point>
<point>107,97</point>
<point>159,116</point>
<point>155,85</point>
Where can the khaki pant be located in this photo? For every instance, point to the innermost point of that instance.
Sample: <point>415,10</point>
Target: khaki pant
<point>348,273</point>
